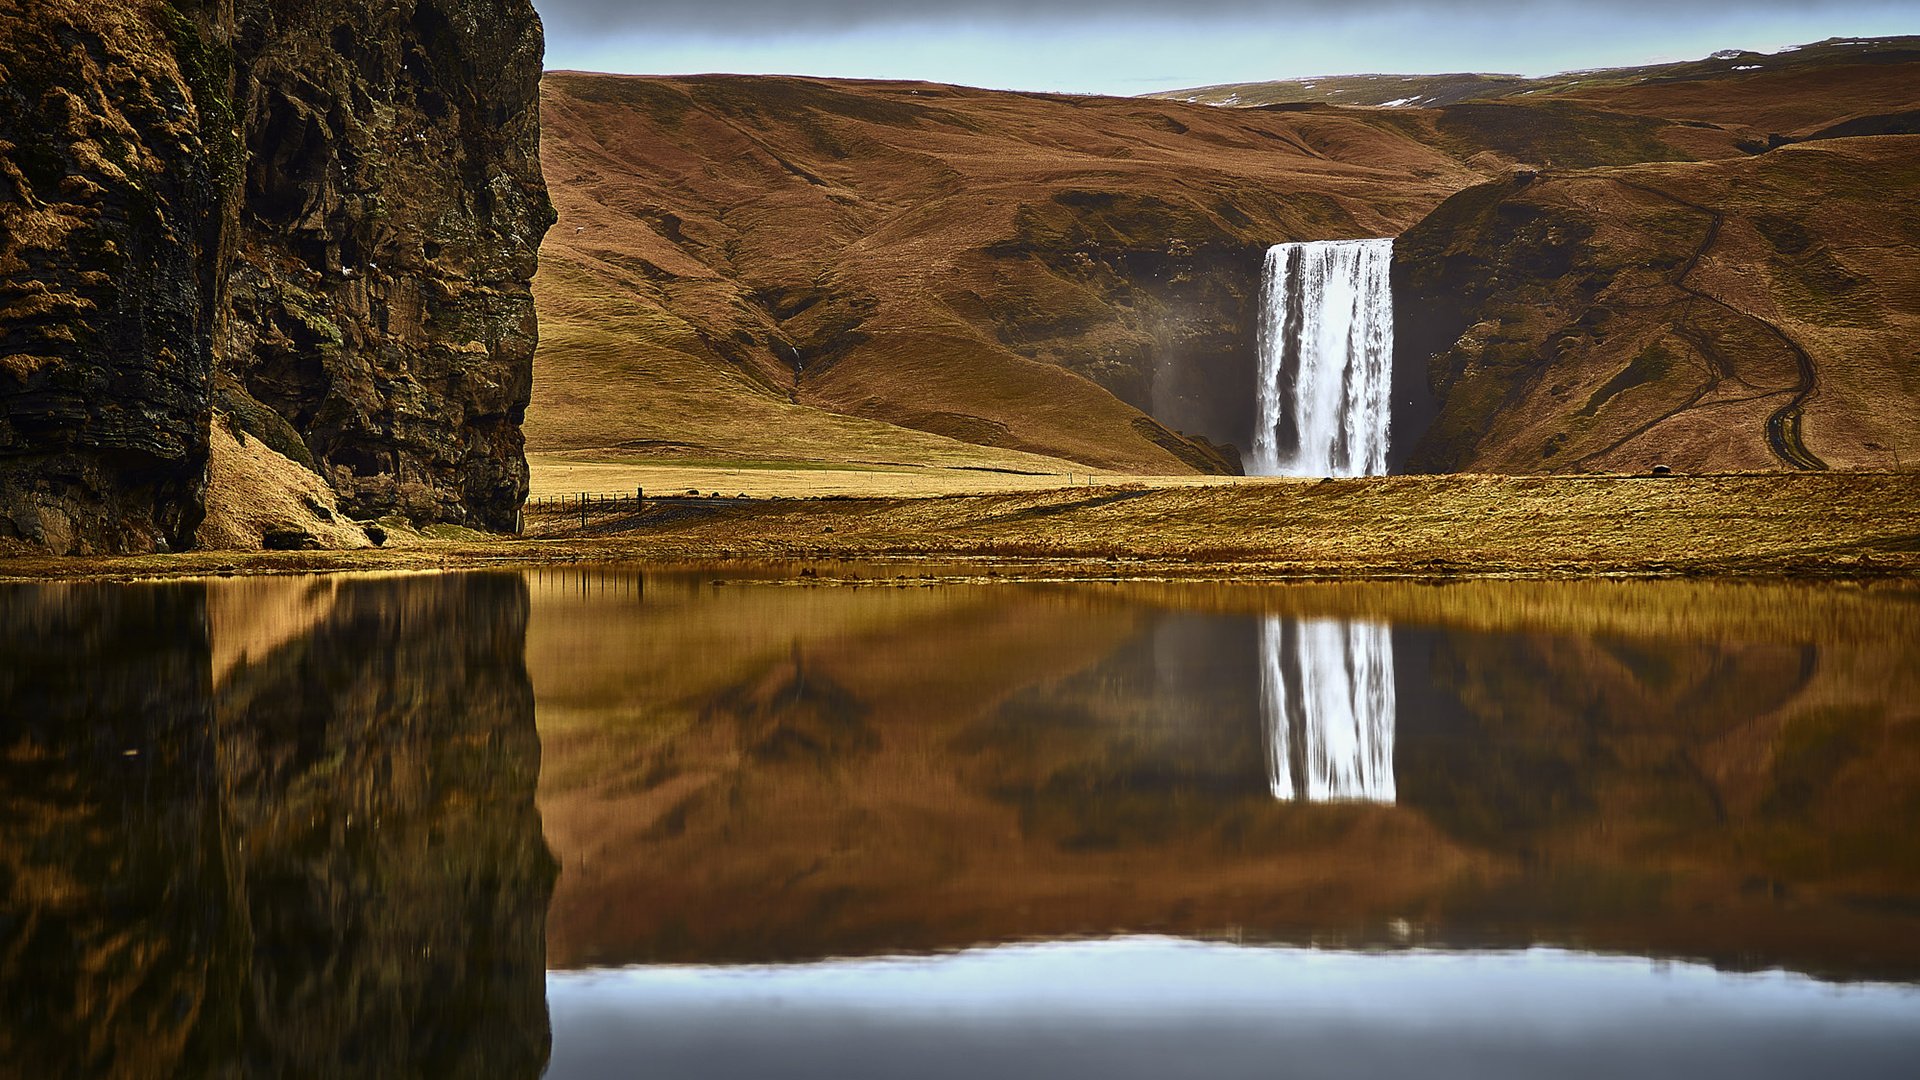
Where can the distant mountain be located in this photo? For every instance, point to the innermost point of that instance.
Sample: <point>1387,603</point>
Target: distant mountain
<point>1731,77</point>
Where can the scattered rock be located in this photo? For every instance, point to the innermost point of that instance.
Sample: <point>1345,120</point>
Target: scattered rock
<point>290,540</point>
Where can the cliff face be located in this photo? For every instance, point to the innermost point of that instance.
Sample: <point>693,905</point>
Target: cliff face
<point>327,208</point>
<point>112,184</point>
<point>390,215</point>
<point>1749,314</point>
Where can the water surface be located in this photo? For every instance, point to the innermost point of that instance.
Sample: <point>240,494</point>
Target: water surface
<point>711,824</point>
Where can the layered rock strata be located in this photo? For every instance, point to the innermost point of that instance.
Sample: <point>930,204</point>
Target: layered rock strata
<point>328,209</point>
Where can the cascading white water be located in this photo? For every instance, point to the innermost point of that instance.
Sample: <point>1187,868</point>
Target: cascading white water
<point>1326,360</point>
<point>1326,687</point>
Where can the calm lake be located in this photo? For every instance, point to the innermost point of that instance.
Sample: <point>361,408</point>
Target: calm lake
<point>732,823</point>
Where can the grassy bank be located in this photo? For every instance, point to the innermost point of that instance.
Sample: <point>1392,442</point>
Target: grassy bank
<point>1812,524</point>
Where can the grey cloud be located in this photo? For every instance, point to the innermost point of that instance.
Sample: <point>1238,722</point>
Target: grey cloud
<point>775,18</point>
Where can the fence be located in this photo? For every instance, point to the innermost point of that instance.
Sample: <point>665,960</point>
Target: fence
<point>588,502</point>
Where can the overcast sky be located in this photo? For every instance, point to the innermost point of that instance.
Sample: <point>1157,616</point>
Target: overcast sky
<point>1138,46</point>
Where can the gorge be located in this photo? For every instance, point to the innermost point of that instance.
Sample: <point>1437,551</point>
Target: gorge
<point>1035,282</point>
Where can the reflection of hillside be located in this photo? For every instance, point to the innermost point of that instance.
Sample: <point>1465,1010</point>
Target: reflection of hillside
<point>1750,802</point>
<point>1032,762</point>
<point>330,861</point>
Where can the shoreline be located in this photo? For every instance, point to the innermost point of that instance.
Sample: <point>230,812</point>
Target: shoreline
<point>1830,525</point>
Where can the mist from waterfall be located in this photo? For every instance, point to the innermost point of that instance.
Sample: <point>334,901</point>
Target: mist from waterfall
<point>1325,360</point>
<point>1326,690</point>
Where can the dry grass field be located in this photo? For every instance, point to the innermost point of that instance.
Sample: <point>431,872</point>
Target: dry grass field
<point>1846,524</point>
<point>1463,524</point>
<point>565,475</point>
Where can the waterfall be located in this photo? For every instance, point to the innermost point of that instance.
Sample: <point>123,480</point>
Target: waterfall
<point>1326,360</point>
<point>1326,687</point>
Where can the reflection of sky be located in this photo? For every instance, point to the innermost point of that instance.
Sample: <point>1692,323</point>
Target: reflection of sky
<point>1160,1006</point>
<point>1139,54</point>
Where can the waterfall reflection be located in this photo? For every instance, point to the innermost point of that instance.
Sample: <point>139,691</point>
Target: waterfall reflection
<point>1326,689</point>
<point>1664,769</point>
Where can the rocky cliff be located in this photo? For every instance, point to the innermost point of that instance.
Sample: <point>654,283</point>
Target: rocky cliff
<point>318,219</point>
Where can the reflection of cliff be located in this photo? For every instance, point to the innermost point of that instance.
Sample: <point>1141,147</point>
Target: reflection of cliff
<point>114,885</point>
<point>330,861</point>
<point>1512,734</point>
<point>1026,763</point>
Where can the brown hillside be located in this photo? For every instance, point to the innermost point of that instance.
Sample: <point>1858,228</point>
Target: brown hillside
<point>786,269</point>
<point>1020,271</point>
<point>1758,313</point>
<point>740,259</point>
<point>1792,93</point>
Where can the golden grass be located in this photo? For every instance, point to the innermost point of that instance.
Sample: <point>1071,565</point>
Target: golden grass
<point>1864,522</point>
<point>616,371</point>
<point>251,490</point>
<point>563,475</point>
<point>1827,524</point>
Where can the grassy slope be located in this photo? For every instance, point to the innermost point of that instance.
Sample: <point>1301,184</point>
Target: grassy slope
<point>890,240</point>
<point>1613,318</point>
<point>1435,525</point>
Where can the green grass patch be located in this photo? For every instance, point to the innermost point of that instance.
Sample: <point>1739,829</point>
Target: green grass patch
<point>1653,365</point>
